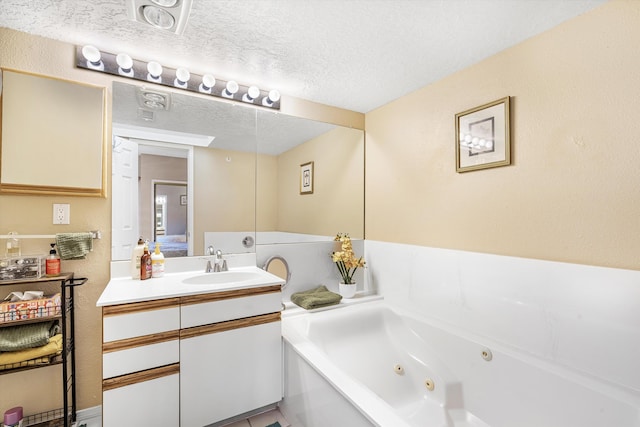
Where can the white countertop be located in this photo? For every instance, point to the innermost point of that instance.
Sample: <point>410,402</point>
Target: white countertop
<point>122,290</point>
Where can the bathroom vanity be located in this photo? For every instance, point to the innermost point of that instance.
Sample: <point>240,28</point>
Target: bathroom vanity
<point>190,348</point>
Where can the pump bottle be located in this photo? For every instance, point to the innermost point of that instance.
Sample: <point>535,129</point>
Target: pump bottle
<point>157,262</point>
<point>145,264</point>
<point>52,263</point>
<point>135,259</point>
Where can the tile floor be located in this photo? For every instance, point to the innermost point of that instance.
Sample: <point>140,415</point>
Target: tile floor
<point>262,420</point>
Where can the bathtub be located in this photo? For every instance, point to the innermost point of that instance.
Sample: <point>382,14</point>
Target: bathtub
<point>370,364</point>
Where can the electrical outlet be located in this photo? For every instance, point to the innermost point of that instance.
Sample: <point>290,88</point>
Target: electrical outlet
<point>61,213</point>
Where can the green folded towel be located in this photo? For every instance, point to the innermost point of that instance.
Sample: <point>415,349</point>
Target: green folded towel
<point>21,337</point>
<point>276,424</point>
<point>316,298</point>
<point>74,245</point>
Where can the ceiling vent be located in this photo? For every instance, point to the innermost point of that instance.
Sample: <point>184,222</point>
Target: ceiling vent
<point>153,99</point>
<point>170,15</point>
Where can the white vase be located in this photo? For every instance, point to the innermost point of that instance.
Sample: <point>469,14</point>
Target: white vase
<point>347,290</point>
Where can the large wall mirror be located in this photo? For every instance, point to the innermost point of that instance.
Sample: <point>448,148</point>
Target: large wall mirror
<point>235,170</point>
<point>45,123</point>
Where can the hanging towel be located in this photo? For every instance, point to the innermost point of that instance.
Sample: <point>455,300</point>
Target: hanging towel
<point>74,245</point>
<point>316,298</point>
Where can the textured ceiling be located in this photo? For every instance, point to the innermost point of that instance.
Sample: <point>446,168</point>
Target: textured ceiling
<point>354,54</point>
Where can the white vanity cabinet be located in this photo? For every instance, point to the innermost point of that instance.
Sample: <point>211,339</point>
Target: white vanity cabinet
<point>191,360</point>
<point>230,354</point>
<point>141,363</point>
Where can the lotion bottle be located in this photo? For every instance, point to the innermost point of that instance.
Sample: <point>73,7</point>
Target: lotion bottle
<point>145,264</point>
<point>157,262</point>
<point>135,259</point>
<point>52,263</point>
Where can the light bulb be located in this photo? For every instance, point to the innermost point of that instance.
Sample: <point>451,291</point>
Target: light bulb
<point>182,77</point>
<point>155,71</point>
<point>125,64</point>
<point>208,82</point>
<point>93,57</point>
<point>230,90</point>
<point>252,93</point>
<point>273,97</point>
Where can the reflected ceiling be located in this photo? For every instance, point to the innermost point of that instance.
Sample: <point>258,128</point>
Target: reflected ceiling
<point>226,122</point>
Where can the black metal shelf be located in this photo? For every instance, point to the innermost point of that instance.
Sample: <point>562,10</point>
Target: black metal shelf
<point>66,415</point>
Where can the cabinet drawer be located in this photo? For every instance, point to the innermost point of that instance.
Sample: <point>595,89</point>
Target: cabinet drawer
<point>220,308</point>
<point>138,319</point>
<point>147,400</point>
<point>139,358</point>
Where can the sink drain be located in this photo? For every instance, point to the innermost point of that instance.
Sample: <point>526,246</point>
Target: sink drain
<point>398,369</point>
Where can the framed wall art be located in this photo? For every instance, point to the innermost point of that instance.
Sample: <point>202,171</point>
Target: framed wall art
<point>482,137</point>
<point>306,178</point>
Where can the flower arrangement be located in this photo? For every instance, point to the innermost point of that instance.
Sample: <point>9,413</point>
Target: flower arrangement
<point>345,259</point>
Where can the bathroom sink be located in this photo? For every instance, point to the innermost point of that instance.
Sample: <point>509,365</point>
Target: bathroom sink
<point>221,277</point>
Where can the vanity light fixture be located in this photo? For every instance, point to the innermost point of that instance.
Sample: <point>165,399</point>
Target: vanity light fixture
<point>170,15</point>
<point>123,65</point>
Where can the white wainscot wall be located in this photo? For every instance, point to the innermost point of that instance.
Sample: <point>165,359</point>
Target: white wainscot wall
<point>584,319</point>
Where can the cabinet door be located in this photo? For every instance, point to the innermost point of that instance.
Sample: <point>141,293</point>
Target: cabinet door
<point>138,400</point>
<point>230,372</point>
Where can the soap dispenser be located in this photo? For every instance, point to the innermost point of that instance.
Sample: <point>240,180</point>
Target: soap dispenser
<point>157,262</point>
<point>52,263</point>
<point>145,264</point>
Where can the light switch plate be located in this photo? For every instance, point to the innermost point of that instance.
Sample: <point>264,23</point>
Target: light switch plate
<point>61,212</point>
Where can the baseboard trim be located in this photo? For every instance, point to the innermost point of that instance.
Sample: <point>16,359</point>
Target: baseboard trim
<point>89,417</point>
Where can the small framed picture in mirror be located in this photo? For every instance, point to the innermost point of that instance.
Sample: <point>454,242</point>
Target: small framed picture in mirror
<point>306,178</point>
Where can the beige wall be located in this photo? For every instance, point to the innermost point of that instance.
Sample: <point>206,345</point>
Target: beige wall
<point>37,390</point>
<point>224,199</point>
<point>33,215</point>
<point>337,202</point>
<point>571,193</point>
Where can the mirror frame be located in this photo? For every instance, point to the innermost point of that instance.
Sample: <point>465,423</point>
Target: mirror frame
<point>48,170</point>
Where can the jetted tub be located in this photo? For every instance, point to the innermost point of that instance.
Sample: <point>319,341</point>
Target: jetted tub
<point>368,364</point>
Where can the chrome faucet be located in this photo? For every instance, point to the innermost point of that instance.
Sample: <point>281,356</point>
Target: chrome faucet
<point>208,268</point>
<point>220,263</point>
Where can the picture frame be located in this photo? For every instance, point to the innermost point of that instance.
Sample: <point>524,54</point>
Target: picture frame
<point>483,138</point>
<point>183,200</point>
<point>306,178</point>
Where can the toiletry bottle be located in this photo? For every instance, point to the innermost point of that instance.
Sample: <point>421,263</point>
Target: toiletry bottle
<point>157,262</point>
<point>13,417</point>
<point>145,264</point>
<point>13,245</point>
<point>135,259</point>
<point>52,263</point>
